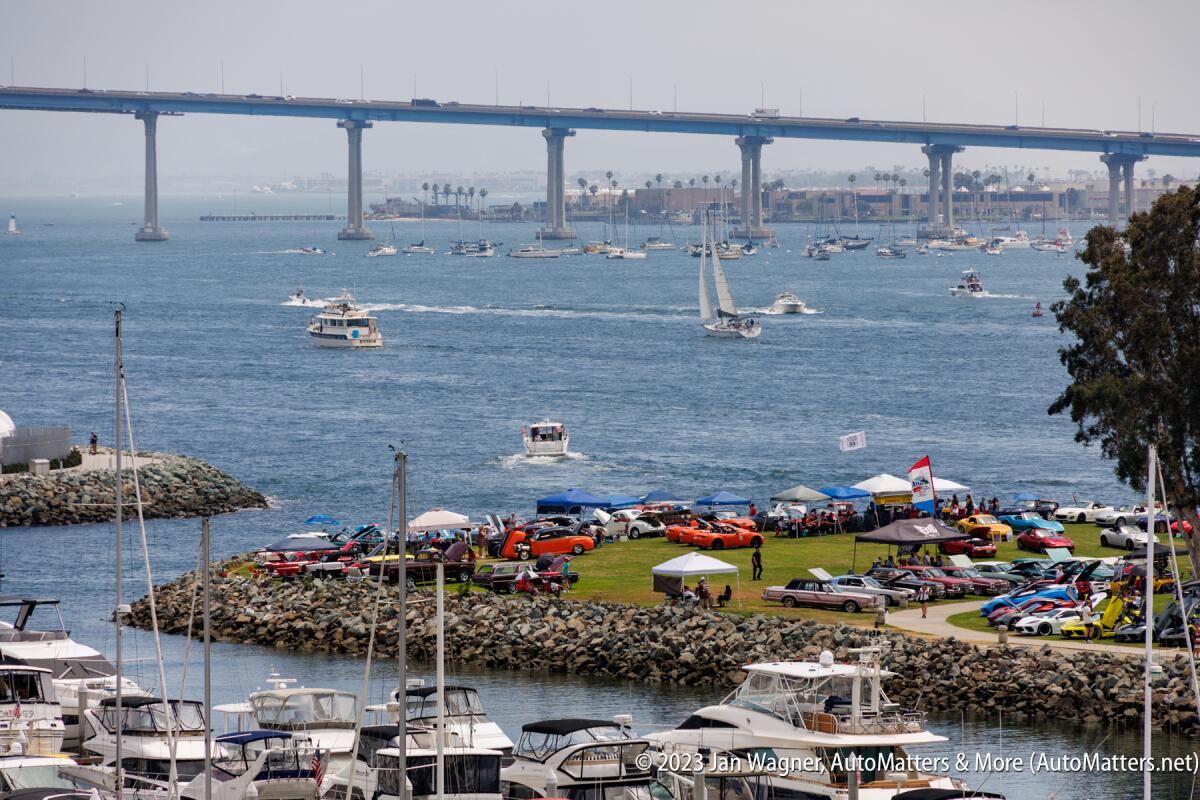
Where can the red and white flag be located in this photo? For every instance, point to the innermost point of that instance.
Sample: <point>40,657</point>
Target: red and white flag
<point>318,768</point>
<point>920,475</point>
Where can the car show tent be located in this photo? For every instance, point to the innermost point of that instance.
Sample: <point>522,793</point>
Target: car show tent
<point>799,494</point>
<point>438,519</point>
<point>910,534</point>
<point>670,575</point>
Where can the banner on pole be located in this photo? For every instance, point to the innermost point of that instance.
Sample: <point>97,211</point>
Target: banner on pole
<point>920,475</point>
<point>852,441</point>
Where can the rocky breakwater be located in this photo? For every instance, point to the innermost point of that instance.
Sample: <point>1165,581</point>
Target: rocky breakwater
<point>676,645</point>
<point>171,486</point>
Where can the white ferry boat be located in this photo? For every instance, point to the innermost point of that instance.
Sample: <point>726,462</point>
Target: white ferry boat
<point>811,716</point>
<point>342,324</point>
<point>545,438</point>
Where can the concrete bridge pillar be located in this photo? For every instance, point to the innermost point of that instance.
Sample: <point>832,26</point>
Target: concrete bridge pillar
<point>752,190</point>
<point>151,231</point>
<point>1117,164</point>
<point>941,172</point>
<point>355,229</point>
<point>556,198</point>
<point>935,166</point>
<point>948,189</point>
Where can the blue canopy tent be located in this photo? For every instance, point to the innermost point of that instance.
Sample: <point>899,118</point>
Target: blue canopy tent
<point>321,519</point>
<point>663,496</point>
<point>723,499</point>
<point>572,501</point>
<point>843,492</point>
<point>620,501</point>
<point>301,543</point>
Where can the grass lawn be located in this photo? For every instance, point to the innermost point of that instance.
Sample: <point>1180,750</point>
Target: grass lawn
<point>621,572</point>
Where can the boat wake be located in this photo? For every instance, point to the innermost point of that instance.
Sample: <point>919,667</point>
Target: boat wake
<point>307,302</point>
<point>508,462</point>
<point>770,312</point>
<point>536,311</point>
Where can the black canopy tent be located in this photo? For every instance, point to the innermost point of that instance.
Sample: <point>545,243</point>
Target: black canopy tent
<point>909,533</point>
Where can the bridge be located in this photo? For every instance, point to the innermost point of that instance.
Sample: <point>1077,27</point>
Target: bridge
<point>1118,150</point>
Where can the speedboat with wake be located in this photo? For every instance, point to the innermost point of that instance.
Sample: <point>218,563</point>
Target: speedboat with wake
<point>806,718</point>
<point>298,298</point>
<point>343,324</point>
<point>545,438</point>
<point>306,251</point>
<point>969,285</point>
<point>788,303</point>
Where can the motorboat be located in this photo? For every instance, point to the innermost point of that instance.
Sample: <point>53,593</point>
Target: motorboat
<point>922,250</point>
<point>969,285</point>
<point>993,250</point>
<point>578,758</point>
<point>729,252</point>
<point>890,251</point>
<point>418,249</point>
<point>299,298</point>
<point>151,732</point>
<point>307,251</point>
<point>749,249</point>
<point>622,253</point>
<point>325,717</point>
<point>481,248</point>
<point>771,242</point>
<point>276,764</point>
<point>80,675</point>
<point>1019,240</point>
<point>1064,237</point>
<point>725,320</point>
<point>822,255</point>
<point>1049,246</point>
<point>788,303</point>
<point>13,230</point>
<point>29,710</point>
<point>596,248</point>
<point>470,773</point>
<point>657,243</point>
<point>534,251</point>
<point>382,250</point>
<point>342,324</point>
<point>800,714</point>
<point>34,777</point>
<point>464,716</point>
<point>545,438</point>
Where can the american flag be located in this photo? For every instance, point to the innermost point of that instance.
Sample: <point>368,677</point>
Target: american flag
<point>318,767</point>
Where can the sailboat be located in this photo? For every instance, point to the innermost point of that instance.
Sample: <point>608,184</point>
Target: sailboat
<point>625,252</point>
<point>726,321</point>
<point>13,230</point>
<point>419,248</point>
<point>382,249</point>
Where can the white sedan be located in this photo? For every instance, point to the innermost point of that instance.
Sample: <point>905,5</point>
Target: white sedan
<point>1046,623</point>
<point>1081,512</point>
<point>1128,537</point>
<point>1119,515</point>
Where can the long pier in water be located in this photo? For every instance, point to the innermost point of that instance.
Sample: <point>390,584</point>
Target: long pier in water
<point>270,218</point>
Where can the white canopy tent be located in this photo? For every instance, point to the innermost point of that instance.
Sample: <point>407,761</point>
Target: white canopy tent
<point>438,519</point>
<point>698,565</point>
<point>885,484</point>
<point>944,485</point>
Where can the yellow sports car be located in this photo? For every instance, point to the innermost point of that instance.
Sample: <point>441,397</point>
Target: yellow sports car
<point>1103,626</point>
<point>985,526</point>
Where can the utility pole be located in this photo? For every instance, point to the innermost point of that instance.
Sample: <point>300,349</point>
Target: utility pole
<point>222,76</point>
<point>497,71</point>
<point>362,93</point>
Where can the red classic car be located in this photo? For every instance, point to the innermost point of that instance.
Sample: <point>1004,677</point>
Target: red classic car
<point>726,536</point>
<point>1038,540</point>
<point>972,548</point>
<point>936,575</point>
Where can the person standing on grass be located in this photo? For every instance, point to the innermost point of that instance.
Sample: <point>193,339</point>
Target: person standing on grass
<point>923,599</point>
<point>1085,616</point>
<point>756,563</point>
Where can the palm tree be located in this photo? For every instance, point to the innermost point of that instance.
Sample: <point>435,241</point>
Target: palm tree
<point>648,184</point>
<point>877,177</point>
<point>678,185</point>
<point>705,180</point>
<point>852,178</point>
<point>471,196</point>
<point>658,179</point>
<point>1167,180</point>
<point>425,193</point>
<point>458,193</point>
<point>895,178</point>
<point>436,191</point>
<point>582,190</point>
<point>592,191</point>
<point>1031,178</point>
<point>482,199</point>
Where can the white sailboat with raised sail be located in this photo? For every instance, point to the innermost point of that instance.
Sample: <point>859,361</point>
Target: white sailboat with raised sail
<point>725,321</point>
<point>13,230</point>
<point>418,248</point>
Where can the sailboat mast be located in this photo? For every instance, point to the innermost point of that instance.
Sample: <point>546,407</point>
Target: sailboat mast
<point>205,547</point>
<point>1148,614</point>
<point>119,369</point>
<point>400,488</point>
<point>441,680</point>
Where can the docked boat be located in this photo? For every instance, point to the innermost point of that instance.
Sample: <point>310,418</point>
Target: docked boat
<point>578,758</point>
<point>382,250</point>
<point>725,320</point>
<point>30,710</point>
<point>342,324</point>
<point>464,715</point>
<point>657,243</point>
<point>546,438</point>
<point>855,242</point>
<point>418,249</point>
<point>969,285</point>
<point>13,230</point>
<point>788,303</point>
<point>1018,241</point>
<point>729,252</point>
<point>277,765</point>
<point>160,742</point>
<point>1050,246</point>
<point>80,675</point>
<point>771,242</point>
<point>481,248</point>
<point>534,251</point>
<point>889,251</point>
<point>808,718</point>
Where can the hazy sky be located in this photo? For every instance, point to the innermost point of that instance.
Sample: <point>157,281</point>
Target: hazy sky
<point>840,58</point>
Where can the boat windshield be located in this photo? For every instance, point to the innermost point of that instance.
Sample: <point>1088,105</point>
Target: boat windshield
<point>539,745</point>
<point>465,774</point>
<point>186,716</point>
<point>303,709</point>
<point>459,703</point>
<point>40,776</point>
<point>25,687</point>
<point>788,698</point>
<point>282,757</point>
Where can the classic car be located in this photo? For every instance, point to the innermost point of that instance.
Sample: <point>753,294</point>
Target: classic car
<point>1038,540</point>
<point>865,584</point>
<point>1046,622</point>
<point>1127,537</point>
<point>500,577</point>
<point>935,574</point>
<point>1001,570</point>
<point>522,544</point>
<point>896,578</point>
<point>972,548</point>
<point>813,592</point>
<point>632,522</point>
<point>1081,512</point>
<point>1041,506</point>
<point>1022,519</point>
<point>421,567</point>
<point>1119,515</point>
<point>983,584</point>
<point>730,518</point>
<point>1163,519</point>
<point>984,526</point>
<point>726,536</point>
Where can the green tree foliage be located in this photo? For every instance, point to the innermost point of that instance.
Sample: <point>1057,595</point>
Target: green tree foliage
<point>1135,358</point>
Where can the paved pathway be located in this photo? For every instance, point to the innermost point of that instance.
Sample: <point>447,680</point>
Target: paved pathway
<point>936,625</point>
